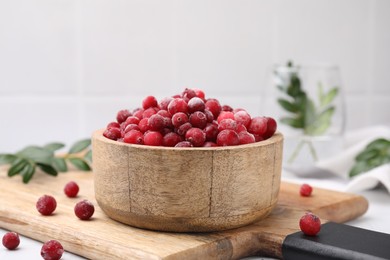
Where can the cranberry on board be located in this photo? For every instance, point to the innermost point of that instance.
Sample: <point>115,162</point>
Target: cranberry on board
<point>71,189</point>
<point>310,224</point>
<point>52,250</point>
<point>305,190</point>
<point>11,240</point>
<point>46,205</point>
<point>84,210</point>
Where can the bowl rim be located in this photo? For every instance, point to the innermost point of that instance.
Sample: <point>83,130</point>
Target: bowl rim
<point>277,137</point>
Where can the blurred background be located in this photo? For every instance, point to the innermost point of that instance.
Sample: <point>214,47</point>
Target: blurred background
<point>67,66</point>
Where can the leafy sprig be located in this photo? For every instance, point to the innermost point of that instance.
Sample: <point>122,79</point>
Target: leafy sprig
<point>314,119</point>
<point>375,154</point>
<point>26,161</point>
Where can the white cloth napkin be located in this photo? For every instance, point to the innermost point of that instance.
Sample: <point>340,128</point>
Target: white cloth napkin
<point>355,142</point>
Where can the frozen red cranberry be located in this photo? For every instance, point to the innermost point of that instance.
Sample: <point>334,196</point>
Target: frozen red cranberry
<point>210,144</point>
<point>240,128</point>
<point>188,93</point>
<point>227,108</point>
<point>131,120</point>
<point>11,240</point>
<point>112,133</point>
<point>71,189</point>
<point>179,118</point>
<point>143,125</point>
<point>46,205</point>
<point>153,138</point>
<point>225,115</point>
<point>213,106</point>
<point>131,127</point>
<point>305,190</point>
<point>171,139</point>
<point>52,250</point>
<point>122,115</point>
<point>198,119</point>
<point>310,224</point>
<point>182,130</point>
<point>271,127</point>
<point>211,132</point>
<point>113,125</point>
<point>184,144</point>
<point>199,93</point>
<point>149,101</point>
<point>196,136</point>
<point>84,209</point>
<point>164,113</point>
<point>227,137</point>
<point>258,125</point>
<point>195,104</point>
<point>134,137</point>
<point>227,124</point>
<point>156,122</point>
<point>177,105</point>
<point>149,112</point>
<point>242,117</point>
<point>139,113</point>
<point>246,138</point>
<point>163,105</point>
<point>209,116</point>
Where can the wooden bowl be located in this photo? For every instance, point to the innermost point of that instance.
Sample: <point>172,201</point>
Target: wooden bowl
<point>186,189</point>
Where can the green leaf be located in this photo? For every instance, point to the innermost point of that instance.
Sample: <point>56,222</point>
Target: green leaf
<point>36,154</point>
<point>358,168</point>
<point>59,164</point>
<point>367,154</point>
<point>28,172</point>
<point>287,105</point>
<point>295,87</point>
<point>53,146</point>
<point>80,146</point>
<point>310,113</point>
<point>321,122</point>
<point>329,97</point>
<point>17,166</point>
<point>80,164</point>
<point>293,122</point>
<point>7,158</point>
<point>379,144</point>
<point>48,169</point>
<point>88,156</point>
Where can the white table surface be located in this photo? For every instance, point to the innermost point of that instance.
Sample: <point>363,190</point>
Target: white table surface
<point>375,219</point>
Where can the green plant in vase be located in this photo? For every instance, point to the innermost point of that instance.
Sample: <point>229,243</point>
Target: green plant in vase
<point>314,118</point>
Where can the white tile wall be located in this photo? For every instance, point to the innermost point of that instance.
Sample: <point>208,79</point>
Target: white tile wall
<point>67,66</point>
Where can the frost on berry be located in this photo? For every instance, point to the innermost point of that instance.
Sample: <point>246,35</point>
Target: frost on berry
<point>242,117</point>
<point>11,240</point>
<point>134,137</point>
<point>246,138</point>
<point>310,224</point>
<point>52,250</point>
<point>46,205</point>
<point>122,115</point>
<point>112,133</point>
<point>179,119</point>
<point>225,115</point>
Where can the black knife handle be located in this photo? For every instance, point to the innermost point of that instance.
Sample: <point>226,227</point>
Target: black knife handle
<point>337,241</point>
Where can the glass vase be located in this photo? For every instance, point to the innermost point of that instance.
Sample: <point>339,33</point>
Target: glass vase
<point>308,103</point>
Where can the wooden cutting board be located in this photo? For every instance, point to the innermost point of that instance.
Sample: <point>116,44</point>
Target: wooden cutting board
<point>103,238</point>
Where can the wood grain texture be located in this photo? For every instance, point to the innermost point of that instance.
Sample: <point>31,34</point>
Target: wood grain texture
<point>104,238</point>
<point>187,189</point>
